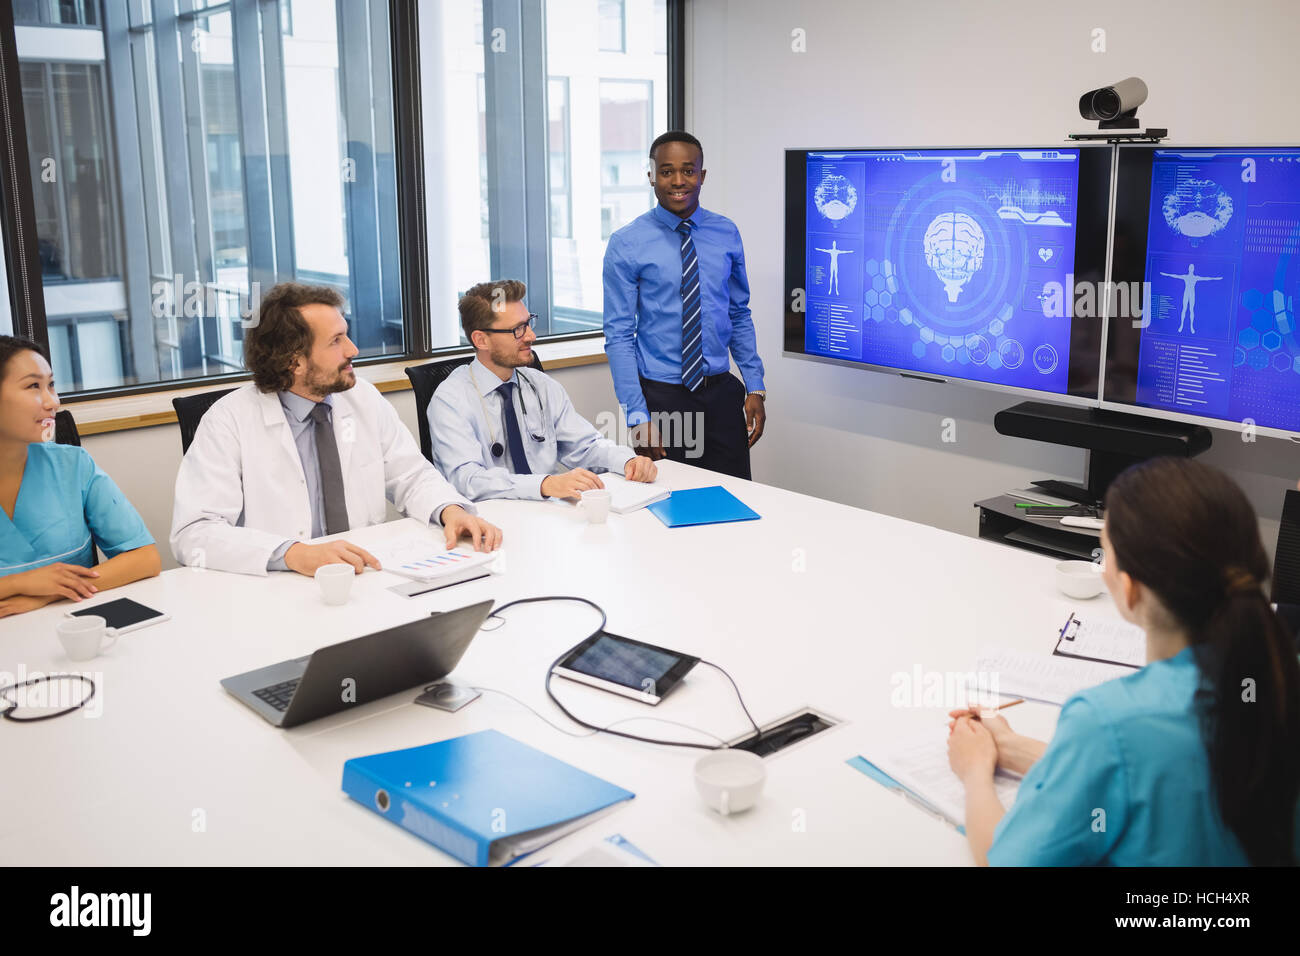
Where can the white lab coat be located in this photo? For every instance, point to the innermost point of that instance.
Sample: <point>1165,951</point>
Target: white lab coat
<point>241,491</point>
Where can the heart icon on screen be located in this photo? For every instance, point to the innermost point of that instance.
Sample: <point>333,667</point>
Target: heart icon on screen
<point>1044,254</point>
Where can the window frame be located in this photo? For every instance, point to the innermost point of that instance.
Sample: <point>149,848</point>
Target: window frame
<point>21,258</point>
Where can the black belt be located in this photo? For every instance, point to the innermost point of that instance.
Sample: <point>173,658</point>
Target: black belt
<point>707,382</point>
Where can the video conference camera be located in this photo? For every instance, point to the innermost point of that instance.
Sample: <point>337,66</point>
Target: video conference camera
<point>1115,106</point>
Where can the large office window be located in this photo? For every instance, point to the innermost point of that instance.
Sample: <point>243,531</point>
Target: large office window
<point>185,155</point>
<point>552,93</point>
<point>617,104</point>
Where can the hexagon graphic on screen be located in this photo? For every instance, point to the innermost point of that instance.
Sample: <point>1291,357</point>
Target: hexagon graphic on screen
<point>954,250</point>
<point>835,197</point>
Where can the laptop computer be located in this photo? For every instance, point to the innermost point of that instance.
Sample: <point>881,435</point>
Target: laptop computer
<point>385,662</point>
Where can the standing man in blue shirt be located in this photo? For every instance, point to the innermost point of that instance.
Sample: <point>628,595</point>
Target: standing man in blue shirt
<point>676,303</point>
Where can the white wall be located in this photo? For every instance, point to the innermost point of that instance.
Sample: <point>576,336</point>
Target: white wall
<point>144,461</point>
<point>949,72</point>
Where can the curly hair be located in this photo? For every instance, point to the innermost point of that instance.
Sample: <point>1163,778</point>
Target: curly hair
<point>280,335</point>
<point>479,304</point>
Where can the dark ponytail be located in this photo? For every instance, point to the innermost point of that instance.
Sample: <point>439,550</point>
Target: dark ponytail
<point>1186,531</point>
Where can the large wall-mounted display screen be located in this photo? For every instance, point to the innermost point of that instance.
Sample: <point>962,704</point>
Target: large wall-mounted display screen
<point>1212,236</point>
<point>950,263</point>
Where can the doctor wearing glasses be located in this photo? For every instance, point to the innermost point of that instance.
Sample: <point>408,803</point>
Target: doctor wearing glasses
<point>503,430</point>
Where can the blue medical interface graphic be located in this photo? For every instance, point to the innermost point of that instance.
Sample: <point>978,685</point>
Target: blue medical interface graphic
<point>954,262</point>
<point>1222,243</point>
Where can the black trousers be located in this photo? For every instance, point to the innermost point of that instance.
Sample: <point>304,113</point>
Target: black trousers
<point>706,427</point>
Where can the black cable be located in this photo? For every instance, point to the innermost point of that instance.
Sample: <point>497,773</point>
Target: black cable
<point>582,723</point>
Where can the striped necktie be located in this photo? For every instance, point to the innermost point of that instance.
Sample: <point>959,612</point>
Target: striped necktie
<point>692,321</point>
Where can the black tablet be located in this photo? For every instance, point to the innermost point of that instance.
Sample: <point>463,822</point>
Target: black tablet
<point>123,615</point>
<point>621,665</point>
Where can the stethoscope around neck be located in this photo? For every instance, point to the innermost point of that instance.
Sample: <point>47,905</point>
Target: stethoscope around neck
<point>498,450</point>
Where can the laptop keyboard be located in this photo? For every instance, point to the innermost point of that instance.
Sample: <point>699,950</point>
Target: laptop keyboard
<point>278,695</point>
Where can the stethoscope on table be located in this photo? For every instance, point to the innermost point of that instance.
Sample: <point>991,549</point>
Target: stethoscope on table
<point>498,449</point>
<point>8,712</point>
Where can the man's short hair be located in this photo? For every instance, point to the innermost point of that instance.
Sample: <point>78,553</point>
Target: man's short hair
<point>676,136</point>
<point>280,335</point>
<point>480,304</point>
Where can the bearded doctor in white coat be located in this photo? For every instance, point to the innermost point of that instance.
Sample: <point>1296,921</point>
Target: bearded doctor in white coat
<point>303,451</point>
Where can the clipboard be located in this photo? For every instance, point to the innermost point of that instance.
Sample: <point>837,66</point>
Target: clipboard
<point>1075,630</point>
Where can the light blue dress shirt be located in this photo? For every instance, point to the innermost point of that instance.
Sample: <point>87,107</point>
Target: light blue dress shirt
<point>66,506</point>
<point>465,419</point>
<point>297,411</point>
<point>1130,749</point>
<point>643,304</point>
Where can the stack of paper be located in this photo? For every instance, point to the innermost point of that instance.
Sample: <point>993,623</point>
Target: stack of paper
<point>424,559</point>
<point>1049,678</point>
<point>919,765</point>
<point>628,496</point>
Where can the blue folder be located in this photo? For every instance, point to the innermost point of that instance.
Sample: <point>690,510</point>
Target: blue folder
<point>481,798</point>
<point>712,505</point>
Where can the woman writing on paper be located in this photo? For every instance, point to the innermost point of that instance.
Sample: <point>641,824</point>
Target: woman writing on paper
<point>57,504</point>
<point>1193,760</point>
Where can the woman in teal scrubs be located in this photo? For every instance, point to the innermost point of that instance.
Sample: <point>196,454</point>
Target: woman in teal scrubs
<point>57,505</point>
<point>1194,759</point>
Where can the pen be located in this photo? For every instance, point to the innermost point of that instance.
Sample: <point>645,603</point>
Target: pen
<point>1010,703</point>
<point>1039,504</point>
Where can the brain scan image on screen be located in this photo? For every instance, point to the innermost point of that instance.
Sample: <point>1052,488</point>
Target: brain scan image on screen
<point>1197,207</point>
<point>954,249</point>
<point>835,197</point>
<point>954,253</point>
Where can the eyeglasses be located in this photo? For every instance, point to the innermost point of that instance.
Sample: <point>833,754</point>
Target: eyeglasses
<point>519,330</point>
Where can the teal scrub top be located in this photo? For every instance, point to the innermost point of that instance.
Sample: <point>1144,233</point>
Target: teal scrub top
<point>1125,781</point>
<point>66,505</point>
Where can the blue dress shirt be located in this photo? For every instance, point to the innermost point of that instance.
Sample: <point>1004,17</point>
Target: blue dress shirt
<point>465,419</point>
<point>643,304</point>
<point>66,506</point>
<point>1130,749</point>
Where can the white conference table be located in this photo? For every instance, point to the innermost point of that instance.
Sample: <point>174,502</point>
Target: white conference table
<point>817,604</point>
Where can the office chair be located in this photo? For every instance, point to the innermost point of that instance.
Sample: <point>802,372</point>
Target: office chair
<point>1286,564</point>
<point>65,429</point>
<point>190,410</point>
<point>425,380</point>
<point>65,433</point>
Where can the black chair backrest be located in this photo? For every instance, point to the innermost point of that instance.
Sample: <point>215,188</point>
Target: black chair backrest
<point>425,380</point>
<point>65,429</point>
<point>1286,560</point>
<point>190,410</point>
<point>65,433</point>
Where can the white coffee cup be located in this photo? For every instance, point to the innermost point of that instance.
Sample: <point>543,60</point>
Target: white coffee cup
<point>596,504</point>
<point>83,637</point>
<point>730,780</point>
<point>1079,579</point>
<point>335,582</point>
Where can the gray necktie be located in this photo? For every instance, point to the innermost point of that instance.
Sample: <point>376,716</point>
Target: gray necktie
<point>331,472</point>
